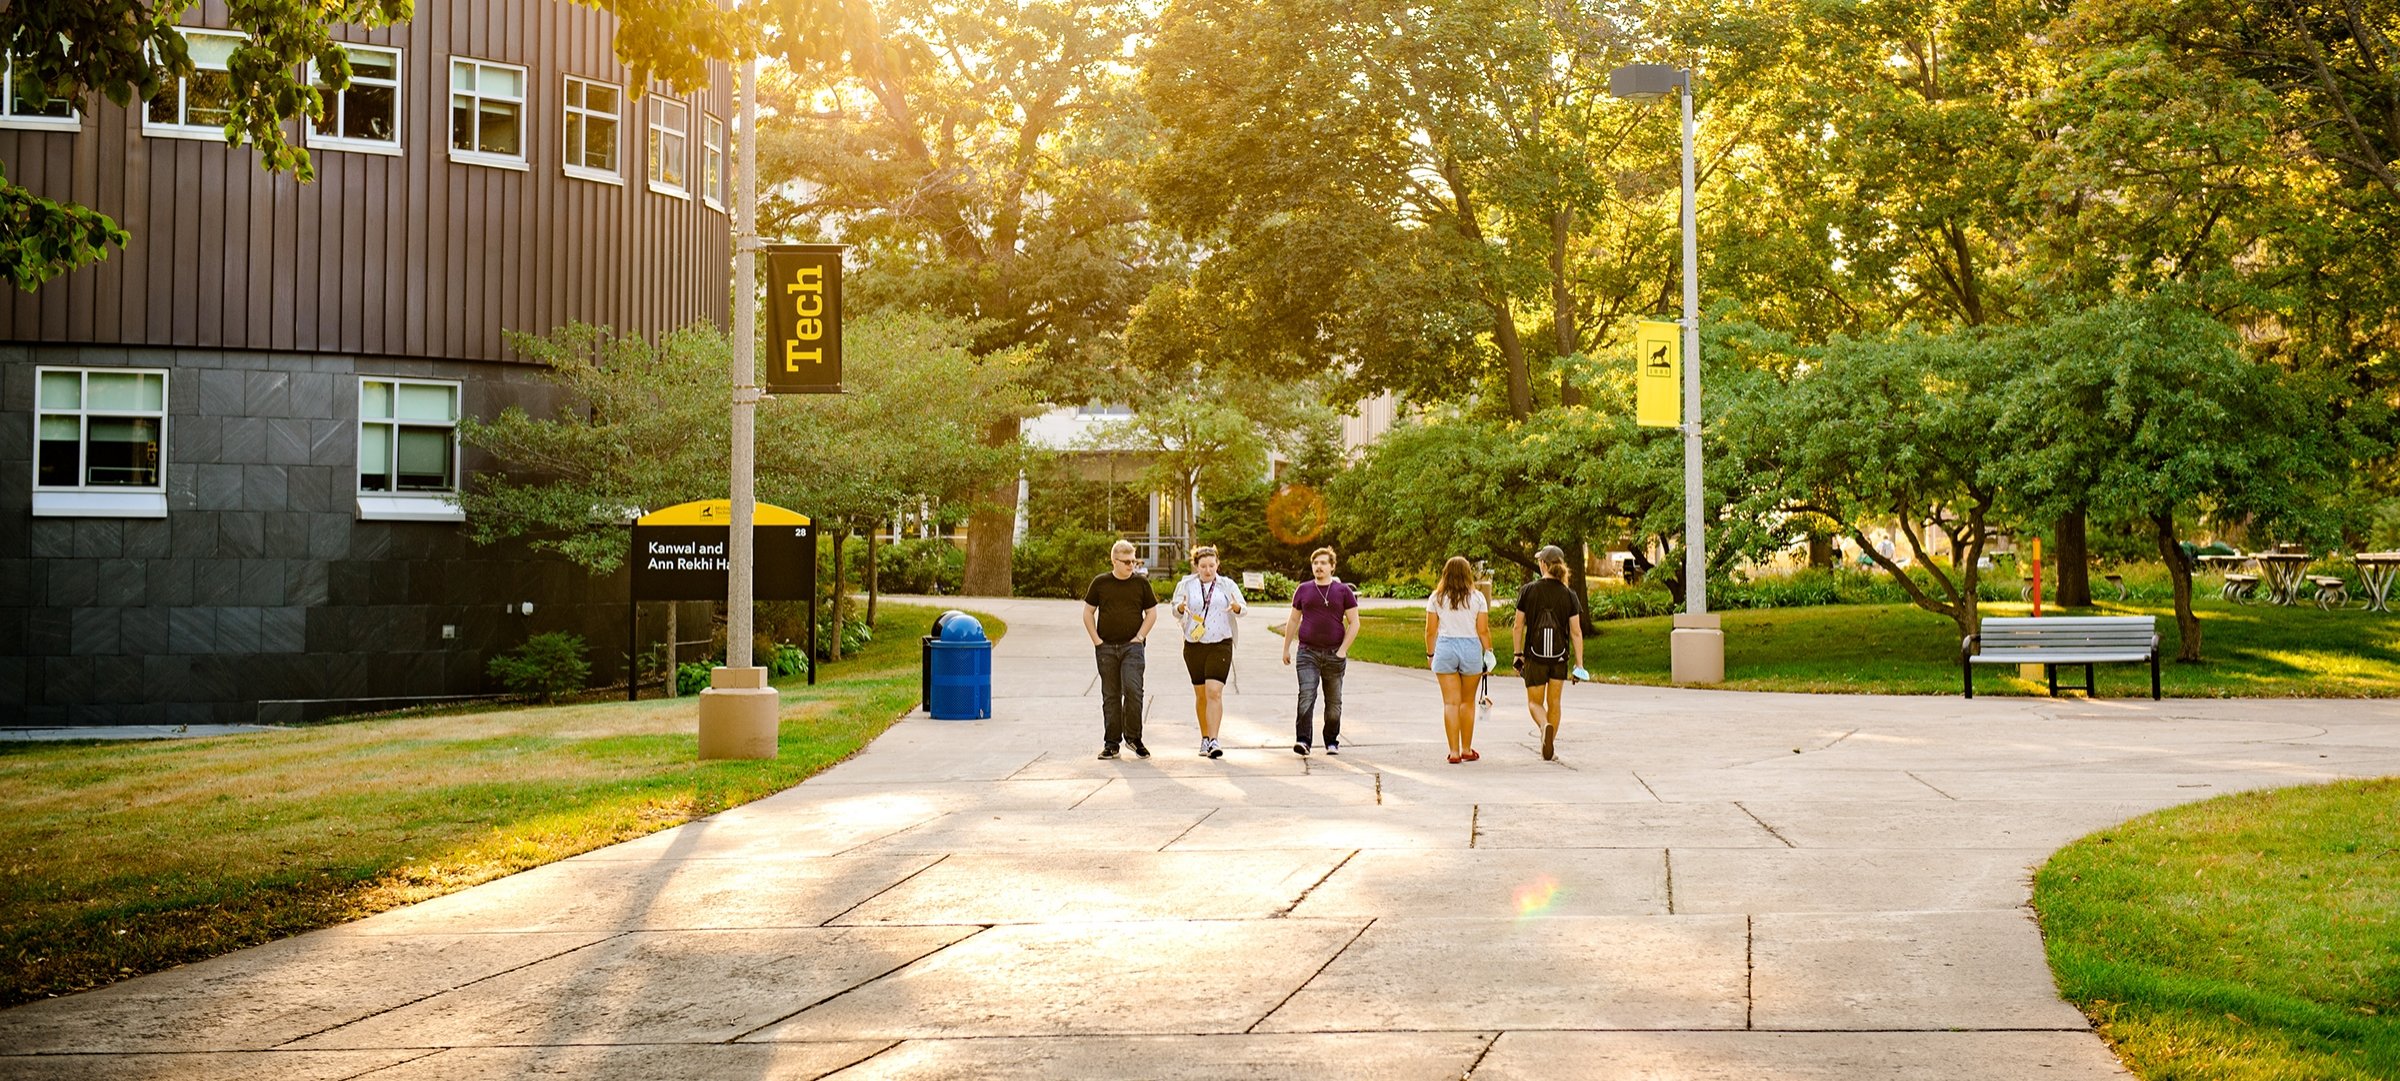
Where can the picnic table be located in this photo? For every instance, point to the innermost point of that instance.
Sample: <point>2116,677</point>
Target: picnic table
<point>2231,584</point>
<point>2283,572</point>
<point>2375,571</point>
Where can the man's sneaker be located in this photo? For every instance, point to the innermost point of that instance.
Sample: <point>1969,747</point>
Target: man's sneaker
<point>1333,746</point>
<point>1108,752</point>
<point>1549,742</point>
<point>1139,751</point>
<point>1300,749</point>
<point>1215,750</point>
<point>1206,745</point>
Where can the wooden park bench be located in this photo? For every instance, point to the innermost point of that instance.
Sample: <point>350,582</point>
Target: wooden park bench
<point>2057,640</point>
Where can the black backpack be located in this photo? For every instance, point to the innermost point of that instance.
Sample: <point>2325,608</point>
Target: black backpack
<point>1547,637</point>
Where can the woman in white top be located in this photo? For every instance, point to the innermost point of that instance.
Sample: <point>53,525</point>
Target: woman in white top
<point>1458,640</point>
<point>1207,603</point>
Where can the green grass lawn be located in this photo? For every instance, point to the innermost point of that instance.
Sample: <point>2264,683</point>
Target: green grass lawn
<point>2250,651</point>
<point>129,857</point>
<point>2251,937</point>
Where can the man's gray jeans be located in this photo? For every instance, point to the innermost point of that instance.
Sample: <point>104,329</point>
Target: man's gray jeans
<point>1120,691</point>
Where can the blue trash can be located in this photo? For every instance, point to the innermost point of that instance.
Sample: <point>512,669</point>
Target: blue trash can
<point>958,670</point>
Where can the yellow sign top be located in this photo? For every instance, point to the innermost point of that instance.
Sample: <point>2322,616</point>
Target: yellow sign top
<point>719,512</point>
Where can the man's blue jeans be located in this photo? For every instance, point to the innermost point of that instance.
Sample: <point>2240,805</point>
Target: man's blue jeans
<point>1120,691</point>
<point>1320,667</point>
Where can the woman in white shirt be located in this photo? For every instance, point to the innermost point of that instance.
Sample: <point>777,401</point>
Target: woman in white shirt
<point>1458,640</point>
<point>1207,603</point>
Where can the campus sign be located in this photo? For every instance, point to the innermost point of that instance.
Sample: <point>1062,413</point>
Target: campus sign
<point>1658,374</point>
<point>679,553</point>
<point>804,319</point>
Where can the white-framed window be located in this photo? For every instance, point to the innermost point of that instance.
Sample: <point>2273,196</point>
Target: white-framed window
<point>487,113</point>
<point>366,115</point>
<point>595,114</point>
<point>670,146</point>
<point>24,103</point>
<point>408,449</point>
<point>99,442</point>
<point>199,105</point>
<point>712,162</point>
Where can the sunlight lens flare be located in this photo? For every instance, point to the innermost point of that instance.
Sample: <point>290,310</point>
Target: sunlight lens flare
<point>1535,897</point>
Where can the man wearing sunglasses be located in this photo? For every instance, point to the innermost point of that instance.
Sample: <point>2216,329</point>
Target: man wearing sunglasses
<point>1118,609</point>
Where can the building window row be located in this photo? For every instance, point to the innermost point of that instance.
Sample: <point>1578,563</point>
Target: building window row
<point>100,436</point>
<point>489,118</point>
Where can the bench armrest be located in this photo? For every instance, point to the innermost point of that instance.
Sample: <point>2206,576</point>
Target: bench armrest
<point>1966,646</point>
<point>2154,641</point>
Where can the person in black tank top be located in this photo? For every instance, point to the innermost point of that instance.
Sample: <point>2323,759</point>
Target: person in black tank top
<point>1549,636</point>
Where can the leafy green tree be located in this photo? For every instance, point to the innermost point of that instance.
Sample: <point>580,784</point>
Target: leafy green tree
<point>639,427</point>
<point>127,50</point>
<point>2145,407</point>
<point>1898,428</point>
<point>1411,198</point>
<point>978,156</point>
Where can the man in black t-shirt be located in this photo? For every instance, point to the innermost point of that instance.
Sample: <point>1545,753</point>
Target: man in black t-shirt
<point>1549,632</point>
<point>1118,609</point>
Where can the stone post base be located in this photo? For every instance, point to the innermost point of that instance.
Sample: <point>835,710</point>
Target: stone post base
<point>1696,650</point>
<point>738,715</point>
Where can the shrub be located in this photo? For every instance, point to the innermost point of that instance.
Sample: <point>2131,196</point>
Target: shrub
<point>548,665</point>
<point>1278,588</point>
<point>1061,563</point>
<point>787,660</point>
<point>692,677</point>
<point>1402,589</point>
<point>855,634</point>
<point>929,566</point>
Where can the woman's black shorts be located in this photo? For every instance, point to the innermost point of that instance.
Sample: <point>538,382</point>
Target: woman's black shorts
<point>1208,660</point>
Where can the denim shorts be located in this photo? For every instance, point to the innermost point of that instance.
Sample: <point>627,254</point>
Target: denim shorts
<point>1458,656</point>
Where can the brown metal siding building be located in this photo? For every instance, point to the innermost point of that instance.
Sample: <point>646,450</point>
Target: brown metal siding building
<point>273,554</point>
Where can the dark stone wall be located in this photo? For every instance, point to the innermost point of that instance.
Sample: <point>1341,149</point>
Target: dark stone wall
<point>261,597</point>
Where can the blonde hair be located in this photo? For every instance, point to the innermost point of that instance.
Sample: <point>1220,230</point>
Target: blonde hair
<point>1327,553</point>
<point>1121,548</point>
<point>1205,551</point>
<point>1458,582</point>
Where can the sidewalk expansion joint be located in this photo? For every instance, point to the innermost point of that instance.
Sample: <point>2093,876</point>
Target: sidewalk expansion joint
<point>1094,792</point>
<point>1670,855</point>
<point>877,978</point>
<point>1929,784</point>
<point>429,1053</point>
<point>1312,977</point>
<point>863,1060</point>
<point>1312,887</point>
<point>828,922</point>
<point>1187,830</point>
<point>1378,788</point>
<point>1474,824</point>
<point>895,833</point>
<point>1481,1055</point>
<point>1029,765</point>
<point>611,936</point>
<point>1749,973</point>
<point>1762,824</point>
<point>1637,779</point>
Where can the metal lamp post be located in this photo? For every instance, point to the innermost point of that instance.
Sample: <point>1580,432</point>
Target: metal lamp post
<point>1698,640</point>
<point>737,711</point>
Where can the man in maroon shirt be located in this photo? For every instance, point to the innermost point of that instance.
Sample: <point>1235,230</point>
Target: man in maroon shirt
<point>1324,622</point>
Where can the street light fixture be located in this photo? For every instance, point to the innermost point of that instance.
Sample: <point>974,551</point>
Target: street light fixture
<point>1698,641</point>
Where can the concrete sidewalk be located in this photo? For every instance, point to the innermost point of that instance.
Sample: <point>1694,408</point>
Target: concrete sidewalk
<point>1705,885</point>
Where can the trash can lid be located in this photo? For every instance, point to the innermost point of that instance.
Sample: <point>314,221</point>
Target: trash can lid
<point>963,628</point>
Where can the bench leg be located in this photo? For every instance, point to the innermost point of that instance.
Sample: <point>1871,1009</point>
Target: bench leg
<point>1970,674</point>
<point>2051,670</point>
<point>2091,686</point>
<point>2154,676</point>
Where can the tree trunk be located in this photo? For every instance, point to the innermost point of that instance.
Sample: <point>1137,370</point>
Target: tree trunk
<point>1568,337</point>
<point>2179,572</point>
<point>841,592</point>
<point>672,688</point>
<point>1820,550</point>
<point>1579,577</point>
<point>992,529</point>
<point>874,591</point>
<point>1512,349</point>
<point>2074,559</point>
